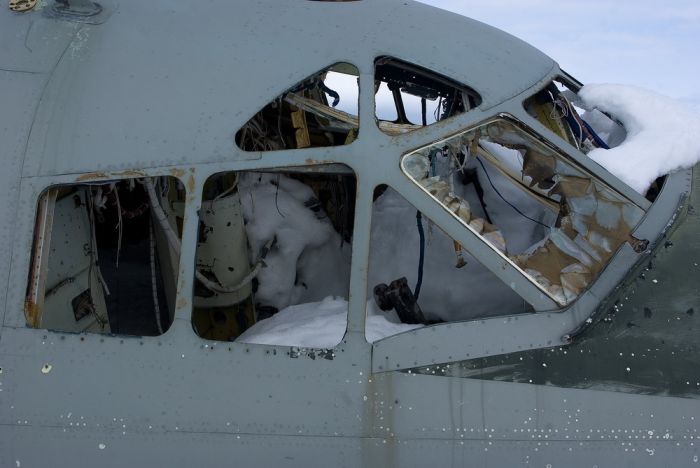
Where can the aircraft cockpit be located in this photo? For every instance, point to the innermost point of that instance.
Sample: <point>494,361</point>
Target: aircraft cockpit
<point>274,245</point>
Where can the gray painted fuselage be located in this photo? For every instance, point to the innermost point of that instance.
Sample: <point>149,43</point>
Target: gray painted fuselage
<point>160,88</point>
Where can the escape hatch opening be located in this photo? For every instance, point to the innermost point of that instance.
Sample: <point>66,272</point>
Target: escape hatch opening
<point>99,259</point>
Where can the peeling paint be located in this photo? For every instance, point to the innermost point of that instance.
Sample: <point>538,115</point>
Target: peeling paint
<point>91,176</point>
<point>32,313</point>
<point>179,173</point>
<point>311,353</point>
<point>131,173</point>
<point>316,162</point>
<point>181,303</point>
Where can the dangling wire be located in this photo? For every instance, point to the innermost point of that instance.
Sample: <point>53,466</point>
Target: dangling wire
<point>279,123</point>
<point>93,241</point>
<point>154,282</point>
<point>438,109</point>
<point>277,189</point>
<point>101,321</point>
<point>230,189</point>
<point>421,254</point>
<point>504,199</point>
<point>120,226</point>
<point>174,242</point>
<point>330,92</point>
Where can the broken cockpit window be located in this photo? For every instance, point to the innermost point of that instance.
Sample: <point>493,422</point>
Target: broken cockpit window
<point>273,256</point>
<point>418,275</point>
<point>408,97</point>
<point>557,223</point>
<point>100,260</point>
<point>320,111</point>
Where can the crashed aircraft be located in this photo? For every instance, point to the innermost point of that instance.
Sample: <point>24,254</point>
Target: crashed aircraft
<point>228,237</point>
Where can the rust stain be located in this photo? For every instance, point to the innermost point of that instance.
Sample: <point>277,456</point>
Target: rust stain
<point>317,161</point>
<point>179,173</point>
<point>32,312</point>
<point>130,173</point>
<point>181,303</point>
<point>190,184</point>
<point>91,176</point>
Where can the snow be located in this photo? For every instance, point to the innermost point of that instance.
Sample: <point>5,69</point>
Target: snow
<point>320,325</point>
<point>662,135</point>
<point>307,271</point>
<point>448,293</point>
<point>307,262</point>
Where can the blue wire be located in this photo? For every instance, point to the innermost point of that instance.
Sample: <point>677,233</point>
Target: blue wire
<point>503,198</point>
<point>595,136</point>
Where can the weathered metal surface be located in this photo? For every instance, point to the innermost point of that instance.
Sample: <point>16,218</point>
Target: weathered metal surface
<point>150,92</point>
<point>107,92</point>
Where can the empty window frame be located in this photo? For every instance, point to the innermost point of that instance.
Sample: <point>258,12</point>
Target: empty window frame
<point>100,260</point>
<point>418,275</point>
<point>273,257</point>
<point>408,96</point>
<point>320,111</point>
<point>556,222</point>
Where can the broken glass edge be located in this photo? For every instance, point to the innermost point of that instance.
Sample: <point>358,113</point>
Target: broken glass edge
<point>548,145</point>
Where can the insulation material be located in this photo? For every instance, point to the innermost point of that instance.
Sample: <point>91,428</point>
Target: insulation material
<point>418,166</point>
<point>547,260</point>
<point>574,280</point>
<point>493,236</point>
<point>541,168</point>
<point>436,187</point>
<point>592,221</point>
<point>459,207</point>
<point>477,224</point>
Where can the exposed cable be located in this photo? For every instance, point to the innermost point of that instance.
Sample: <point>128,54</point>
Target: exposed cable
<point>421,256</point>
<point>160,216</point>
<point>101,321</point>
<point>277,190</point>
<point>330,92</point>
<point>120,226</point>
<point>93,240</point>
<point>503,198</point>
<point>154,283</point>
<point>174,242</point>
<point>230,189</point>
<point>216,287</point>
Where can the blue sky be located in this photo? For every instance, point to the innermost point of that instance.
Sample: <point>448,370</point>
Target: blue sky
<point>647,43</point>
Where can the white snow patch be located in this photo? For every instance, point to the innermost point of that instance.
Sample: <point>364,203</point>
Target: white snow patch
<point>320,325</point>
<point>662,135</point>
<point>309,261</point>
